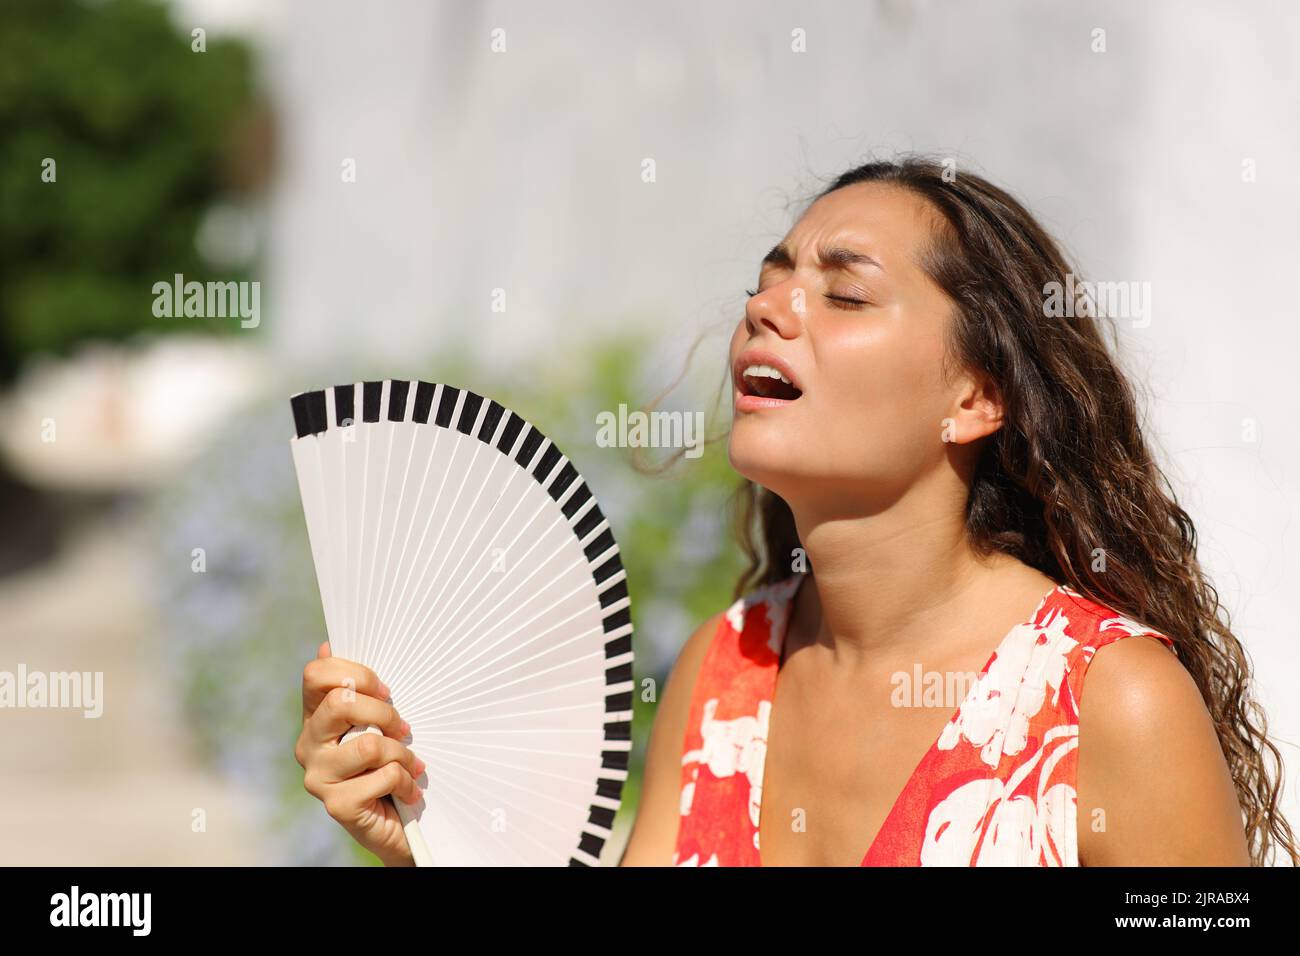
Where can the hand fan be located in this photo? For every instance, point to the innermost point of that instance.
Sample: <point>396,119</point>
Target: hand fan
<point>462,557</point>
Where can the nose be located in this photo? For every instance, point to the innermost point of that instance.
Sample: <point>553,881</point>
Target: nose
<point>776,308</point>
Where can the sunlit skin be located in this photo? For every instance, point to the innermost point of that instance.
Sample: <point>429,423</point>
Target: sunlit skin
<point>874,458</point>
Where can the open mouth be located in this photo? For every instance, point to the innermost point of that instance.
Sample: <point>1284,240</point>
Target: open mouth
<point>766,382</point>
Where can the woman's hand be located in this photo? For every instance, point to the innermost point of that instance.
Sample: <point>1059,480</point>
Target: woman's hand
<point>352,779</point>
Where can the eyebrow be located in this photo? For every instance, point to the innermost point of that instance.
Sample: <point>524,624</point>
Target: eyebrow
<point>830,257</point>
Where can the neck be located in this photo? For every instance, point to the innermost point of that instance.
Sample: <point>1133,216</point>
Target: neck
<point>899,576</point>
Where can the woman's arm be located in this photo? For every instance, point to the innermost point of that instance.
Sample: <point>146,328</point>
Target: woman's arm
<point>1153,786</point>
<point>654,834</point>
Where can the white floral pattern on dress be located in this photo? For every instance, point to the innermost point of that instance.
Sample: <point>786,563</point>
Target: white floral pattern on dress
<point>1030,662</point>
<point>987,823</point>
<point>775,599</point>
<point>730,747</point>
<point>694,860</point>
<point>1127,624</point>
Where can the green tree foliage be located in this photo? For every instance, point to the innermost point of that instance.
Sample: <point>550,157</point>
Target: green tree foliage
<point>137,124</point>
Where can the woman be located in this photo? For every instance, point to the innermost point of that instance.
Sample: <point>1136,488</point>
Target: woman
<point>944,477</point>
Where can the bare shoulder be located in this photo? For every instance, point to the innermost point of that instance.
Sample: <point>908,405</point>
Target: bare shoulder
<point>692,654</point>
<point>1153,785</point>
<point>674,704</point>
<point>654,833</point>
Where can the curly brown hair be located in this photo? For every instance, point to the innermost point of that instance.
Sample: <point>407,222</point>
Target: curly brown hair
<point>1067,484</point>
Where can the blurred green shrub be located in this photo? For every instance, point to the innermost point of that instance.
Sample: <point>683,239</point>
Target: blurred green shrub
<point>139,128</point>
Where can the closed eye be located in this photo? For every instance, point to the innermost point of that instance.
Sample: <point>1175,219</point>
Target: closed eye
<point>843,301</point>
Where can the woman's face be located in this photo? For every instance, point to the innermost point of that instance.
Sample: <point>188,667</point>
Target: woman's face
<point>845,311</point>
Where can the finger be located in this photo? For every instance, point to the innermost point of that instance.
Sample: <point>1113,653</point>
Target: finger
<point>340,709</point>
<point>302,747</point>
<point>323,674</point>
<point>353,796</point>
<point>367,752</point>
<point>321,652</point>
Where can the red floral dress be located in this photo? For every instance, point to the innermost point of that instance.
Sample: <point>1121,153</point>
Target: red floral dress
<point>996,789</point>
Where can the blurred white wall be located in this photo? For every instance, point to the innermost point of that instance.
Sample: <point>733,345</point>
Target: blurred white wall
<point>1218,356</point>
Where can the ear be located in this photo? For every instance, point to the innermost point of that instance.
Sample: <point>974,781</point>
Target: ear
<point>977,411</point>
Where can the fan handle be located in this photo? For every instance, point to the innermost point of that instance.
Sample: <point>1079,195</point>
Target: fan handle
<point>405,812</point>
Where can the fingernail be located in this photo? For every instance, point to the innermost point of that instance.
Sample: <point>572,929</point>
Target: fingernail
<point>406,729</point>
<point>419,768</point>
<point>383,689</point>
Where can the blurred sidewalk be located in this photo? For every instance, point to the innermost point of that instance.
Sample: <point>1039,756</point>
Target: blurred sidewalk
<point>120,789</point>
